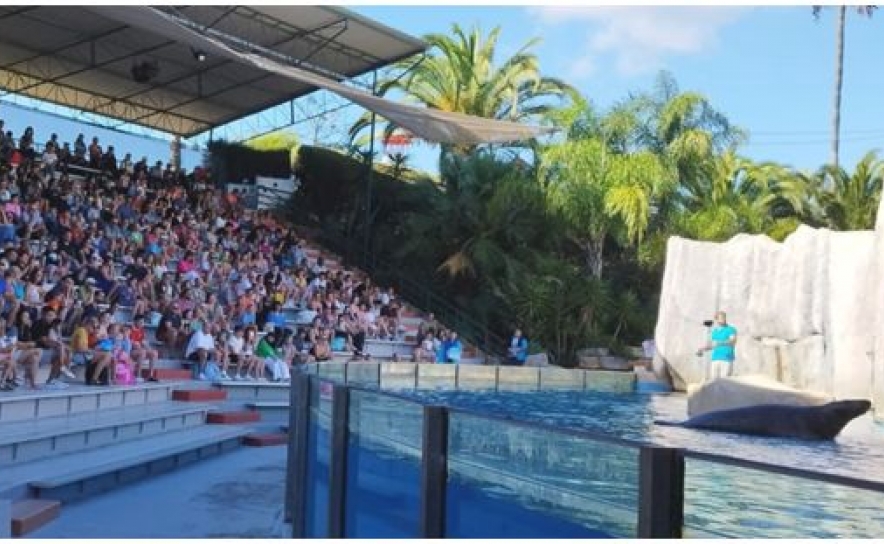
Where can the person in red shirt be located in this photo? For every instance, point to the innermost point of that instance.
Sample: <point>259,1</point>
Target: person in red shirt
<point>141,350</point>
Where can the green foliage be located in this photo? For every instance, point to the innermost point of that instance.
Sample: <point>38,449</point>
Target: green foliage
<point>849,201</point>
<point>461,73</point>
<point>233,162</point>
<point>560,306</point>
<point>278,140</point>
<point>570,248</point>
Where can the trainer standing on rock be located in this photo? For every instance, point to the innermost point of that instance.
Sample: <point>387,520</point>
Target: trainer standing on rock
<point>722,339</point>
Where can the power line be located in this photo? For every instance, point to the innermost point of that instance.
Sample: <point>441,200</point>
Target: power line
<point>808,132</point>
<point>752,142</point>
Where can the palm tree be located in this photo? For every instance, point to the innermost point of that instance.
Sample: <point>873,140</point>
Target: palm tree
<point>840,20</point>
<point>460,74</point>
<point>738,196</point>
<point>849,202</point>
<point>599,186</point>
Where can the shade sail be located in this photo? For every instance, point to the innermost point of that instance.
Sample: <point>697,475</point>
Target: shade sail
<point>428,124</point>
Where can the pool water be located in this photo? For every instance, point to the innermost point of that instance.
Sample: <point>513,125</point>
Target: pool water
<point>720,500</point>
<point>858,451</point>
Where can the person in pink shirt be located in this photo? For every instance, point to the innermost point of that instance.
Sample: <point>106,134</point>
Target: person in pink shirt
<point>13,207</point>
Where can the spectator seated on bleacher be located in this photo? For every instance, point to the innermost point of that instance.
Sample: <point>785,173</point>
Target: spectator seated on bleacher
<point>89,243</point>
<point>15,353</point>
<point>201,347</point>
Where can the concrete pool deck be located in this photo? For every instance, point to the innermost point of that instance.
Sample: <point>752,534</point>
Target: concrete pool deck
<point>236,495</point>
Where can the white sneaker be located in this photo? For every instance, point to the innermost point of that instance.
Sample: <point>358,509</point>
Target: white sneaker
<point>67,372</point>
<point>237,378</point>
<point>224,376</point>
<point>19,381</point>
<point>202,377</point>
<point>139,380</point>
<point>55,385</point>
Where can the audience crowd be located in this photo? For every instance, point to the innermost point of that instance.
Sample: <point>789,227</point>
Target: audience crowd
<point>107,263</point>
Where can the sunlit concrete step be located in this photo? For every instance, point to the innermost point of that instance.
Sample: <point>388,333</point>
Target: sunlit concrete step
<point>23,405</point>
<point>28,441</point>
<point>108,468</point>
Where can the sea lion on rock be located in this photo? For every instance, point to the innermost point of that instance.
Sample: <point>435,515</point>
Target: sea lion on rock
<point>822,422</point>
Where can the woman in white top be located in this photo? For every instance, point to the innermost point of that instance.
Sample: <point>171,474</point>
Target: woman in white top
<point>235,346</point>
<point>254,369</point>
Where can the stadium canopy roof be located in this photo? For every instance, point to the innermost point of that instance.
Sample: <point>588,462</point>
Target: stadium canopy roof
<point>83,58</point>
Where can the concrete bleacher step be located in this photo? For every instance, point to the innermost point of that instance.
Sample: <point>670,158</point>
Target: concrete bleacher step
<point>199,395</point>
<point>249,391</point>
<point>171,363</point>
<point>233,417</point>
<point>263,440</point>
<point>271,410</point>
<point>31,514</point>
<point>23,405</point>
<point>168,374</point>
<point>385,349</point>
<point>107,468</point>
<point>28,441</point>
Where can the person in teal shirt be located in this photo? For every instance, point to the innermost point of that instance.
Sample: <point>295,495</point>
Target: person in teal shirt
<point>722,339</point>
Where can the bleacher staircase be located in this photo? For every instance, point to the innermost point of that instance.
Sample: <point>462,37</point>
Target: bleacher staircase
<point>61,446</point>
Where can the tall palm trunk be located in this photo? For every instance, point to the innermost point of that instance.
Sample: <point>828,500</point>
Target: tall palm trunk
<point>839,76</point>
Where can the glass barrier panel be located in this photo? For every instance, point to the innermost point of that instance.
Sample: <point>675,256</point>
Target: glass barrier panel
<point>513,481</point>
<point>726,501</point>
<point>383,467</point>
<point>318,458</point>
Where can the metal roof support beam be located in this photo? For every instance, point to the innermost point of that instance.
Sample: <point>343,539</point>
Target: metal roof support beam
<point>341,48</point>
<point>16,12</point>
<point>325,43</point>
<point>81,41</point>
<point>188,76</point>
<point>75,77</point>
<point>237,43</point>
<point>107,107</point>
<point>190,101</point>
<point>93,66</point>
<point>256,79</point>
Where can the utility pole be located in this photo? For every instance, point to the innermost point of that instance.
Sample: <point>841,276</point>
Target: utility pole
<point>366,249</point>
<point>175,148</point>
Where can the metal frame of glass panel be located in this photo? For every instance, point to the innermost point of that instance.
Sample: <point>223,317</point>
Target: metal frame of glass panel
<point>661,482</point>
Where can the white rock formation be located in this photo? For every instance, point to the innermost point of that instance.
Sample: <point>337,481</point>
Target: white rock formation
<point>808,311</point>
<point>744,391</point>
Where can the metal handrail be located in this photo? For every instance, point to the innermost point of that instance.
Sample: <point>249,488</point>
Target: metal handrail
<point>448,312</point>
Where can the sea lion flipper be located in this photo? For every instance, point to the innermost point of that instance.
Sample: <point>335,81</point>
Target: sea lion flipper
<point>667,423</point>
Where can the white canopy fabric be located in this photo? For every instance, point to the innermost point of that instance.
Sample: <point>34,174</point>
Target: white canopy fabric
<point>427,124</point>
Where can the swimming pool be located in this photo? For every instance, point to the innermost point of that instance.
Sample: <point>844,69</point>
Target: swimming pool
<point>720,500</point>
<point>508,480</point>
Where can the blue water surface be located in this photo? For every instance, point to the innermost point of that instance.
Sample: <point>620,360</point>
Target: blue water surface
<point>514,481</point>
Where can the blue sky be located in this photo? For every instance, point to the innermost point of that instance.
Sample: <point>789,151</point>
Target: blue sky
<point>770,69</point>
